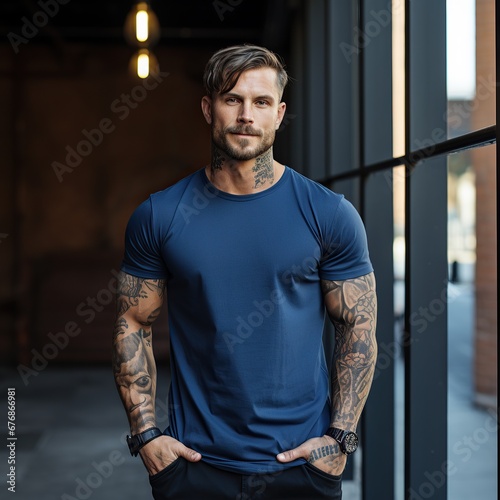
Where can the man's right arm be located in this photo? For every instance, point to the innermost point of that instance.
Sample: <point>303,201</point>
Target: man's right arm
<point>139,303</point>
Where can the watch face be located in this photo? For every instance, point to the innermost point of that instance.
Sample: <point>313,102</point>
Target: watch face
<point>351,442</point>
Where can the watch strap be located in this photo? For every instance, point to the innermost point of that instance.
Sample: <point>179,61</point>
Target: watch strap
<point>136,442</point>
<point>340,436</point>
<point>336,433</point>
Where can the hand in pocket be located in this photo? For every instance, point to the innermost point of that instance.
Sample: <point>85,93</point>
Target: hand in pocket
<point>162,451</point>
<point>321,452</point>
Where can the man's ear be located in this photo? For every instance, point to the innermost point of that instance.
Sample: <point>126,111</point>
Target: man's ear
<point>281,114</point>
<point>206,108</point>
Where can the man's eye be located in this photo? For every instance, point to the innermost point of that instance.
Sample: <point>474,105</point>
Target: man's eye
<point>262,103</point>
<point>142,382</point>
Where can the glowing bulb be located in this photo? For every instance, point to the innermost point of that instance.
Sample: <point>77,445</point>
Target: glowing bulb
<point>142,28</point>
<point>143,65</point>
<point>142,25</point>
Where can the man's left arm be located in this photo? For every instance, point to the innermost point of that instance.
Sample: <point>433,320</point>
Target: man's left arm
<point>352,307</point>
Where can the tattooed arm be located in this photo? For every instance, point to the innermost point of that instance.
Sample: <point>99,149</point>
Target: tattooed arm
<point>352,308</point>
<point>139,303</point>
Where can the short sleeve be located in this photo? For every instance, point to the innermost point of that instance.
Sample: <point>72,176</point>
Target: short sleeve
<point>345,252</point>
<point>143,256</point>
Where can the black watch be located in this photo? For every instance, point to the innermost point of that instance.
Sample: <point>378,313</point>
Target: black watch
<point>348,441</point>
<point>135,443</point>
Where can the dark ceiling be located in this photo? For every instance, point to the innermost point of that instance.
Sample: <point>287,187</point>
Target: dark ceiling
<point>183,22</point>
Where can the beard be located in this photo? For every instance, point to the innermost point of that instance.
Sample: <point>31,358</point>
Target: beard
<point>242,151</point>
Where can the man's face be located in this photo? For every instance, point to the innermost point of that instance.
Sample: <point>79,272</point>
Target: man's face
<point>245,119</point>
<point>133,373</point>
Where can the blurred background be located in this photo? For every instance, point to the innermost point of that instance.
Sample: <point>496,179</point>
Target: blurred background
<point>391,103</point>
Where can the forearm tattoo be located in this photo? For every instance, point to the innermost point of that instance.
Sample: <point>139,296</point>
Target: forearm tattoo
<point>134,367</point>
<point>352,307</point>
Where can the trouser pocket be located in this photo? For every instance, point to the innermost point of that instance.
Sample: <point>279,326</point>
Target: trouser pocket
<point>168,471</point>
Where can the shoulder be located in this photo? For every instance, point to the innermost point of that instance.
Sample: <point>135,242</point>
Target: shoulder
<point>176,191</point>
<point>318,203</point>
<point>157,211</point>
<point>161,206</point>
<point>314,191</point>
<point>323,197</point>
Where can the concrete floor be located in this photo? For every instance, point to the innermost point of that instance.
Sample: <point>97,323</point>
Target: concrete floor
<point>70,429</point>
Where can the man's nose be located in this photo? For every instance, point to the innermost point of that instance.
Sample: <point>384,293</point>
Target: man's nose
<point>245,115</point>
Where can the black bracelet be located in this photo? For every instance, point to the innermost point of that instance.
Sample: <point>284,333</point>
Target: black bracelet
<point>136,442</point>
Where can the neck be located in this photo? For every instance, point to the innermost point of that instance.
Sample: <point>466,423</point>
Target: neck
<point>243,177</point>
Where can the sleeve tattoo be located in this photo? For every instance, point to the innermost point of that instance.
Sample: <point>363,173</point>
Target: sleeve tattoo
<point>138,305</point>
<point>352,308</point>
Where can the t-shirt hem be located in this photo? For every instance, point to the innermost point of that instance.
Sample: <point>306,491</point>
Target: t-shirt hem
<point>140,273</point>
<point>351,274</point>
<point>251,468</point>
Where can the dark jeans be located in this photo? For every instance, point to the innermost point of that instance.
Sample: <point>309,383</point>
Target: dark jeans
<point>183,480</point>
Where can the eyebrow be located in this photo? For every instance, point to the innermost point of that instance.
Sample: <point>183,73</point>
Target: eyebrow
<point>258,98</point>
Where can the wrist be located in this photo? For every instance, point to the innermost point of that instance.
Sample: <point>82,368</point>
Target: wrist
<point>331,441</point>
<point>137,441</point>
<point>347,440</point>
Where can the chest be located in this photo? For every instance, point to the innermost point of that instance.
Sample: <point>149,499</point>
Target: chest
<point>243,242</point>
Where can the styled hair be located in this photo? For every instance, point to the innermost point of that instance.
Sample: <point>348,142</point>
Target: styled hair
<point>225,67</point>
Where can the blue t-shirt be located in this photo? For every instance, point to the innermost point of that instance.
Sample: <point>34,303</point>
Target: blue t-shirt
<point>246,313</point>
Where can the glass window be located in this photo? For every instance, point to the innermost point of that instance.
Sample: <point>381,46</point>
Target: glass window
<point>471,81</point>
<point>398,185</point>
<point>472,325</point>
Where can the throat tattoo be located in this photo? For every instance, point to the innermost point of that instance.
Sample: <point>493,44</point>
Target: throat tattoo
<point>263,170</point>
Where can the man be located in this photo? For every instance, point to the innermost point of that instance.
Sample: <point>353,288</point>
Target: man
<point>248,254</point>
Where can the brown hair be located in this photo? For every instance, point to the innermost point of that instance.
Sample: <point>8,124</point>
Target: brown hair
<point>225,67</point>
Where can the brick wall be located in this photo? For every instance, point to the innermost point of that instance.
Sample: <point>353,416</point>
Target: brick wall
<point>152,137</point>
<point>484,160</point>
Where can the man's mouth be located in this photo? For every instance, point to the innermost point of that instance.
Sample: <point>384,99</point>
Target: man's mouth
<point>244,133</point>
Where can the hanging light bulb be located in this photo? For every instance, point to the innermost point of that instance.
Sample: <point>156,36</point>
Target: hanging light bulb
<point>143,63</point>
<point>141,25</point>
<point>142,30</point>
